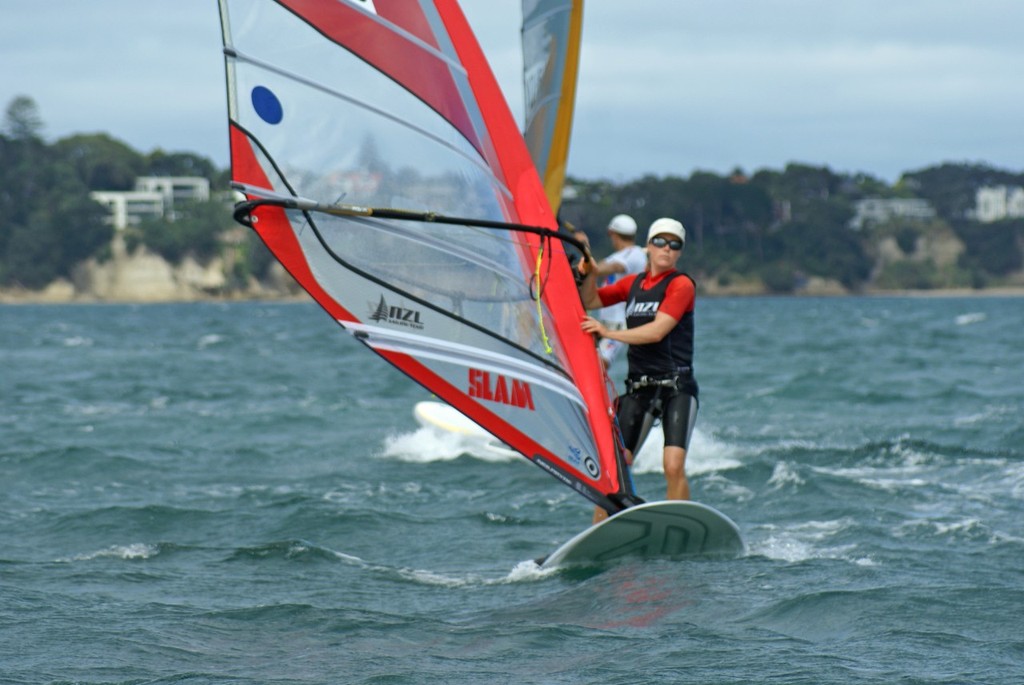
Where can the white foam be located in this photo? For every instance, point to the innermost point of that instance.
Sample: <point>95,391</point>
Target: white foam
<point>911,471</point>
<point>107,409</point>
<point>705,455</point>
<point>434,578</point>
<point>989,413</point>
<point>785,474</point>
<point>524,571</point>
<point>726,489</point>
<point>782,547</point>
<point>806,541</point>
<point>1015,477</point>
<point>969,527</point>
<point>421,576</point>
<point>528,571</point>
<point>209,341</point>
<point>968,319</point>
<point>78,341</point>
<point>137,550</point>
<point>426,445</point>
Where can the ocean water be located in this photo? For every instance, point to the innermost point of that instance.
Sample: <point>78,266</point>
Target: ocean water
<point>238,493</point>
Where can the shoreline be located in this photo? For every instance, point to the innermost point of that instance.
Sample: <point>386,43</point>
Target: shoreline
<point>16,298</point>
<point>965,293</point>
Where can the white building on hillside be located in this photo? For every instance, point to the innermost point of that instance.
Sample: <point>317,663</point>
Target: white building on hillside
<point>878,210</point>
<point>999,202</point>
<point>129,207</point>
<point>176,188</point>
<point>153,198</point>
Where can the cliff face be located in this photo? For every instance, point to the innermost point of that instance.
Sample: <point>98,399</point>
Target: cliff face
<point>145,277</point>
<point>941,248</point>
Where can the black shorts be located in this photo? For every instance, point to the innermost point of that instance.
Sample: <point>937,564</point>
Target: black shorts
<point>678,416</point>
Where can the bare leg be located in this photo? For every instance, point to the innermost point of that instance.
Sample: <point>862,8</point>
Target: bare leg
<point>674,461</point>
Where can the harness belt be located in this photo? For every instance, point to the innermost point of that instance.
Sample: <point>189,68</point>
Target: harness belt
<point>645,381</point>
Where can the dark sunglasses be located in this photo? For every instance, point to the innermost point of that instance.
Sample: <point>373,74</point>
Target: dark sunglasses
<point>661,242</point>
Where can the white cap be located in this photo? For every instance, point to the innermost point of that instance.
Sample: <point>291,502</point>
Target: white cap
<point>670,226</point>
<point>622,224</point>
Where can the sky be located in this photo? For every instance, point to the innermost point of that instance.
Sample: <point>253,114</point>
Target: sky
<point>666,87</point>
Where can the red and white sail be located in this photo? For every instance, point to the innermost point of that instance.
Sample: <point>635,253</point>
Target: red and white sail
<point>340,105</point>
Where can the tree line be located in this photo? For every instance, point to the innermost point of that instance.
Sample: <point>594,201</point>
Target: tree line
<point>772,227</point>
<point>49,223</point>
<point>780,227</point>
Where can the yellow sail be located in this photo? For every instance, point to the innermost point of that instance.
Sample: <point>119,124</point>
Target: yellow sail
<point>551,49</point>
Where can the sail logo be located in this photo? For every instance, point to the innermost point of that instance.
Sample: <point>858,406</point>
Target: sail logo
<point>577,458</point>
<point>646,309</point>
<point>498,388</point>
<point>401,316</point>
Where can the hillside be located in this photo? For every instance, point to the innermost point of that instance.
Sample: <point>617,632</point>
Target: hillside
<point>146,277</point>
<point>800,230</point>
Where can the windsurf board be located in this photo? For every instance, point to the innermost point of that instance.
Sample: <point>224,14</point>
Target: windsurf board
<point>671,528</point>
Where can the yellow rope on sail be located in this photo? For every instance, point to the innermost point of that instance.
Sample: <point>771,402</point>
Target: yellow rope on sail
<point>540,309</point>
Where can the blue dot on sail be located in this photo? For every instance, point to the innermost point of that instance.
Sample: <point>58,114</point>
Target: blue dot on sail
<point>267,105</point>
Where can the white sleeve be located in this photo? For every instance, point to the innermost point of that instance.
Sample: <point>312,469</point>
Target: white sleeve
<point>622,258</point>
<point>635,260</point>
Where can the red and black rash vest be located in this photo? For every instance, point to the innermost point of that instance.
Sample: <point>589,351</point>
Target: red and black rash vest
<point>673,354</point>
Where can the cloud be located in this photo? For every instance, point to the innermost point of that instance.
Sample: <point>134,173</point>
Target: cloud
<point>666,86</point>
<point>857,86</point>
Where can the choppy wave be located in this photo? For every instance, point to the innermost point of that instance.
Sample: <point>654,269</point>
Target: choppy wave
<point>197,493</point>
<point>426,445</point>
<point>968,319</point>
<point>132,551</point>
